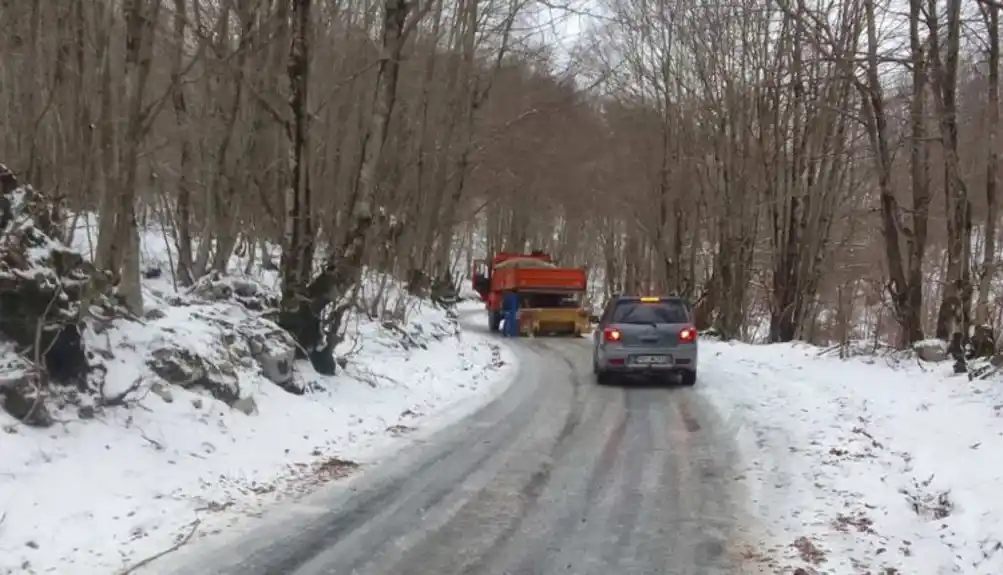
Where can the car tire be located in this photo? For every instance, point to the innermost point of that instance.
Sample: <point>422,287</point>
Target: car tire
<point>689,378</point>
<point>603,377</point>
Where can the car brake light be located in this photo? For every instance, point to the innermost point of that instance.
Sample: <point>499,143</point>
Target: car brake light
<point>650,299</point>
<point>611,334</point>
<point>687,334</point>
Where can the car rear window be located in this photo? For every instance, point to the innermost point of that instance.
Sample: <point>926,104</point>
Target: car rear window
<point>650,312</point>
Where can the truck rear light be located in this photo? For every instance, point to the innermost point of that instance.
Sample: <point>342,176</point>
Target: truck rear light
<point>687,334</point>
<point>611,334</point>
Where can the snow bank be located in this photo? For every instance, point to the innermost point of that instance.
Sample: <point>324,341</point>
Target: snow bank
<point>879,466</point>
<point>109,486</point>
<point>192,432</point>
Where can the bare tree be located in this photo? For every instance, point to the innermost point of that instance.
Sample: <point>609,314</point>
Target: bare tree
<point>778,164</point>
<point>953,318</point>
<point>990,15</point>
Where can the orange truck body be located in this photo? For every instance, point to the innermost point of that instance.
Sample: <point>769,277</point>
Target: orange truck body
<point>490,281</point>
<point>492,278</point>
<point>538,279</point>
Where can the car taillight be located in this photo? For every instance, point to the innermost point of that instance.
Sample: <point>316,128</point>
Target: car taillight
<point>611,334</point>
<point>687,334</point>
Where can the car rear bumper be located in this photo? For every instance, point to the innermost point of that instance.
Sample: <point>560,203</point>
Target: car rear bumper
<point>622,359</point>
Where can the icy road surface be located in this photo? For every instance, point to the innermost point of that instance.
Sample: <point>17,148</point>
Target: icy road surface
<point>557,475</point>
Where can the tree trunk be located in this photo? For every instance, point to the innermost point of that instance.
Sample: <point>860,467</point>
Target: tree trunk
<point>298,237</point>
<point>186,272</point>
<point>953,317</point>
<point>990,13</point>
<point>912,299</point>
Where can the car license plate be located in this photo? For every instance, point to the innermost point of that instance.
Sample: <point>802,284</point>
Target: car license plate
<point>651,359</point>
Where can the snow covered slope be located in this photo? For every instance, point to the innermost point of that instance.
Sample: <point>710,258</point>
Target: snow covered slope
<point>191,432</point>
<point>863,466</point>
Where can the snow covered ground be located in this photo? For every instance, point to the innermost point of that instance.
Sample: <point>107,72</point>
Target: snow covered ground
<point>107,486</point>
<point>863,466</point>
<point>856,466</point>
<point>95,494</point>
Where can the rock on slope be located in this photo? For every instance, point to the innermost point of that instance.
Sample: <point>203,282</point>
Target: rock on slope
<point>45,288</point>
<point>60,326</point>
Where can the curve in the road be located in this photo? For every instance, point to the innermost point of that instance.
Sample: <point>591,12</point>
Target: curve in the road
<point>556,475</point>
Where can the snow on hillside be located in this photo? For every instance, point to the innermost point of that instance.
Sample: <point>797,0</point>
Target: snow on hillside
<point>200,424</point>
<point>863,465</point>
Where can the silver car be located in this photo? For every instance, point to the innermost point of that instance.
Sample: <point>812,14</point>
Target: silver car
<point>646,336</point>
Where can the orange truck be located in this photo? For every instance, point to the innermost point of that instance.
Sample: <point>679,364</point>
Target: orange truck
<point>550,297</point>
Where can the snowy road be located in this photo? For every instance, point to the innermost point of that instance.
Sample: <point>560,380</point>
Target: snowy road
<point>557,475</point>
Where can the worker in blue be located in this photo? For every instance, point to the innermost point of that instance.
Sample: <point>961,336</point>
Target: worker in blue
<point>510,309</point>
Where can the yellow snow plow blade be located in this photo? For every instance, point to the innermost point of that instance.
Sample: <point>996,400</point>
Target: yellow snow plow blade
<point>553,321</point>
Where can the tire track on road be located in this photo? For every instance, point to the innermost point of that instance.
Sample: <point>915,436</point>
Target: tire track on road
<point>557,475</point>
